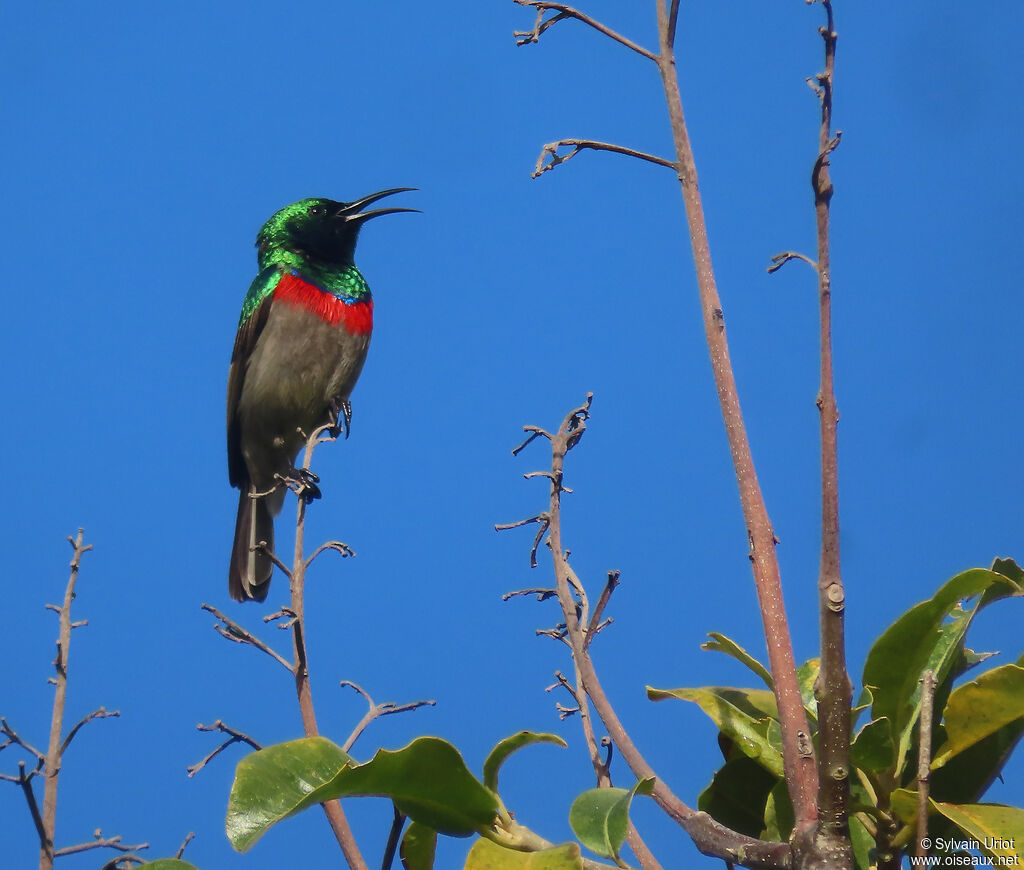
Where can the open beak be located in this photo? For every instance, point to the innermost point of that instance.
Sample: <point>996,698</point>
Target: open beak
<point>352,212</point>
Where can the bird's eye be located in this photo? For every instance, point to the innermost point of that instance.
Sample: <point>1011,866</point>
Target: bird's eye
<point>317,210</point>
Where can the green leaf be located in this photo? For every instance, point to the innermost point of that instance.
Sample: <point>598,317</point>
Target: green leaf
<point>778,814</point>
<point>968,774</point>
<point>862,843</point>
<point>922,639</point>
<point>996,830</point>
<point>427,780</point>
<point>737,794</point>
<point>168,864</point>
<point>903,802</point>
<point>1009,568</point>
<point>486,855</point>
<point>509,745</point>
<point>600,817</point>
<point>720,643</point>
<point>980,708</point>
<point>745,715</point>
<point>872,749</point>
<point>418,846</point>
<point>806,676</point>
<point>277,782</point>
<point>864,703</point>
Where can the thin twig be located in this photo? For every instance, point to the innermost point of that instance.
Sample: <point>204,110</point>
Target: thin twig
<point>550,154</point>
<point>376,711</point>
<point>924,758</point>
<point>393,837</point>
<point>780,260</point>
<point>524,37</point>
<point>101,713</point>
<point>232,631</point>
<point>45,839</point>
<point>595,624</point>
<point>101,842</point>
<point>188,839</point>
<point>234,736</point>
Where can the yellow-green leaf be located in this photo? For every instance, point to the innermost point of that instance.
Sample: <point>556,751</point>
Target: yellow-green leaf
<point>745,715</point>
<point>992,829</point>
<point>486,855</point>
<point>981,707</point>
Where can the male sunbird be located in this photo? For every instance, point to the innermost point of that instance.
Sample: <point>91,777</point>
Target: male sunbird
<point>301,344</point>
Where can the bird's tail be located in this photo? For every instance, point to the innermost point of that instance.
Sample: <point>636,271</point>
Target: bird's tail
<point>249,574</point>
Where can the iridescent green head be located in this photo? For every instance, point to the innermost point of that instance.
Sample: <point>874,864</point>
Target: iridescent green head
<point>318,230</point>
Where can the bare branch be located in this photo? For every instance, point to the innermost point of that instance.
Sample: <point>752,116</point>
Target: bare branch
<point>924,758</point>
<point>542,594</point>
<point>550,154</point>
<point>344,549</point>
<point>525,37</point>
<point>595,620</point>
<point>393,837</point>
<point>673,17</point>
<point>234,736</point>
<point>376,711</point>
<point>100,842</point>
<point>332,809</point>
<point>232,631</point>
<point>101,713</point>
<point>45,837</point>
<point>780,260</point>
<point>13,739</point>
<point>710,837</point>
<point>188,839</point>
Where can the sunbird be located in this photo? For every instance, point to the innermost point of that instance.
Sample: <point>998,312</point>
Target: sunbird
<point>302,339</point>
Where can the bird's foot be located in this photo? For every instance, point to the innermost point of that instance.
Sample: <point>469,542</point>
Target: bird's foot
<point>303,483</point>
<point>341,418</point>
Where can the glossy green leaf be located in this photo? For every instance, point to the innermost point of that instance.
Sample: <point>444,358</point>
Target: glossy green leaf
<point>778,814</point>
<point>872,748</point>
<point>923,638</point>
<point>744,715</point>
<point>427,780</point>
<point>965,777</point>
<point>486,855</point>
<point>600,817</point>
<point>995,830</point>
<point>277,782</point>
<point>721,643</point>
<point>419,844</point>
<point>863,844</point>
<point>737,794</point>
<point>506,747</point>
<point>980,708</point>
<point>806,676</point>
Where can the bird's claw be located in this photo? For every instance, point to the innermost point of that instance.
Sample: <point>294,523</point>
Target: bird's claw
<point>341,418</point>
<point>303,483</point>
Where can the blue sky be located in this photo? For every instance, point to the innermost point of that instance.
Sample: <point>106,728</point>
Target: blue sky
<point>144,145</point>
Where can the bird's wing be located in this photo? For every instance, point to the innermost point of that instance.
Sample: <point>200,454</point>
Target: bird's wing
<point>261,294</point>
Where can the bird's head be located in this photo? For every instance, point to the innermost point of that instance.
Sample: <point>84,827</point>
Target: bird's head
<point>319,230</point>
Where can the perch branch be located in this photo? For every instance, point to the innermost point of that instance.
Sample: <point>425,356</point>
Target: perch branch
<point>297,580</point>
